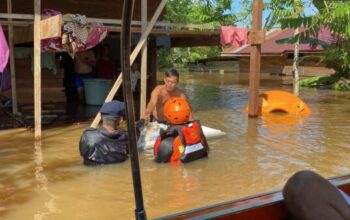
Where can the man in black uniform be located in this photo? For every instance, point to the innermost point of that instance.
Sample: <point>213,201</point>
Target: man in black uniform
<point>107,144</point>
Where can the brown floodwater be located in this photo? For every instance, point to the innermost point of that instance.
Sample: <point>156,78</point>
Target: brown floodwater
<point>48,181</point>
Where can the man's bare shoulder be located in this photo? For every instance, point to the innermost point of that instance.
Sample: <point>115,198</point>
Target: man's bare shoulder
<point>158,89</point>
<point>180,92</point>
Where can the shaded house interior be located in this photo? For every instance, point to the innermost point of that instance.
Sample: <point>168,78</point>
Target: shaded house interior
<point>53,90</point>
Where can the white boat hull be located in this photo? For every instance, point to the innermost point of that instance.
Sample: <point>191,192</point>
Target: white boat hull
<point>150,133</point>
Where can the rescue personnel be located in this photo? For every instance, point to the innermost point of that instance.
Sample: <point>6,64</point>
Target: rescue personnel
<point>107,144</point>
<point>183,140</point>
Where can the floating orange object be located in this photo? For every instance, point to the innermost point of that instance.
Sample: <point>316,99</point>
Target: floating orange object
<point>281,101</point>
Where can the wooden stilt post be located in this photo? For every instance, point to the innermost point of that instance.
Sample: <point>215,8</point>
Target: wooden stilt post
<point>12,63</point>
<point>37,69</point>
<point>143,93</point>
<point>256,37</point>
<point>152,54</point>
<point>133,55</point>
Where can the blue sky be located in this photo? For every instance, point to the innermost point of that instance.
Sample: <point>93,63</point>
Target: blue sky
<point>237,8</point>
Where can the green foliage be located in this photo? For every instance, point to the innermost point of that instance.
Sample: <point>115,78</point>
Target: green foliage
<point>285,12</point>
<point>338,58</point>
<point>335,82</point>
<point>334,15</point>
<point>341,85</point>
<point>179,57</point>
<point>318,81</point>
<point>215,12</point>
<point>200,11</point>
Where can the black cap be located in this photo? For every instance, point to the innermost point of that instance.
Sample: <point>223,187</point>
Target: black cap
<point>113,108</point>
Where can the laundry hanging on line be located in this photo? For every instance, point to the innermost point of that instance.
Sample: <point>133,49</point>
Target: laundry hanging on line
<point>4,50</point>
<point>77,35</point>
<point>234,36</point>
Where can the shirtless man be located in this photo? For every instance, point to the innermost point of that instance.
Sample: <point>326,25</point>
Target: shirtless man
<point>83,67</point>
<point>161,94</point>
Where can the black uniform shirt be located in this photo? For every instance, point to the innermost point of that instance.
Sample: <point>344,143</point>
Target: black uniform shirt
<point>98,146</point>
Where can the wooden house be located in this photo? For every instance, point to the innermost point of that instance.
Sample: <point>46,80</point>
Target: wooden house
<point>277,59</point>
<point>108,12</point>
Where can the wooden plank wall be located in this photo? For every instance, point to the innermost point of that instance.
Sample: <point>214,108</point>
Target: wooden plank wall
<point>52,85</point>
<point>281,65</point>
<point>279,68</point>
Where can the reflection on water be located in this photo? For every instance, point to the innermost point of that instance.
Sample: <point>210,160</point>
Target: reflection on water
<point>42,184</point>
<point>48,181</point>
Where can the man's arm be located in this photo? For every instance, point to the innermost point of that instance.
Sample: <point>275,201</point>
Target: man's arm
<point>151,104</point>
<point>182,96</point>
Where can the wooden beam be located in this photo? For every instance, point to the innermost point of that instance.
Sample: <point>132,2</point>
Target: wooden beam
<point>152,54</point>
<point>113,28</point>
<point>17,23</point>
<point>132,58</point>
<point>255,60</point>
<point>167,31</point>
<point>17,16</point>
<point>195,40</point>
<point>118,22</point>
<point>37,69</point>
<point>143,90</point>
<point>256,37</point>
<point>12,63</point>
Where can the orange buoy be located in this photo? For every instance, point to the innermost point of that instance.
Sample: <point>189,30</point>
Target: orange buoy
<point>282,101</point>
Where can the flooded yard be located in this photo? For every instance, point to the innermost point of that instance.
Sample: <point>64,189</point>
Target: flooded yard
<point>48,181</point>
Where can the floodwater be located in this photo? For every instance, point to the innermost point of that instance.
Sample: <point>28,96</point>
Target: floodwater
<point>48,181</point>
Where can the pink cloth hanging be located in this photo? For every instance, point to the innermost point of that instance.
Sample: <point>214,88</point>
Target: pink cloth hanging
<point>4,50</point>
<point>233,35</point>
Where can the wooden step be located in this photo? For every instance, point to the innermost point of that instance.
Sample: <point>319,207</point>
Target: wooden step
<point>26,95</point>
<point>45,83</point>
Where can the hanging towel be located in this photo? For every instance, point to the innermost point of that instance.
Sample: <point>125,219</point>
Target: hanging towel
<point>4,50</point>
<point>23,52</point>
<point>48,61</point>
<point>233,35</point>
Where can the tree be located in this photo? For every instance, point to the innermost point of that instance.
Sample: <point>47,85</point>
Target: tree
<point>288,9</point>
<point>214,12</point>
<point>334,15</point>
